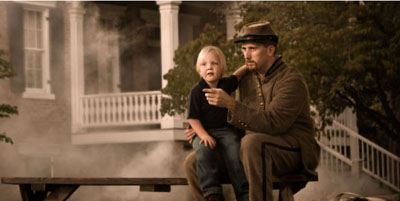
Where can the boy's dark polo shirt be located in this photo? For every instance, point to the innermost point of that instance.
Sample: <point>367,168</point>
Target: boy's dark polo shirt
<point>210,116</point>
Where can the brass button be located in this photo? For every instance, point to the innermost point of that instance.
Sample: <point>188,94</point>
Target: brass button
<point>259,94</point>
<point>261,103</point>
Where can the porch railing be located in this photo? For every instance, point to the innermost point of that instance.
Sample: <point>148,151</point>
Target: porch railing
<point>122,109</point>
<point>343,149</point>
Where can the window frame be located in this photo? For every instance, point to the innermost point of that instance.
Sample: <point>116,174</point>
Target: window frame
<point>45,91</point>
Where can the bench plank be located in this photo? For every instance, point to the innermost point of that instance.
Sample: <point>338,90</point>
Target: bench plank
<point>93,181</point>
<point>61,188</point>
<point>155,188</point>
<point>98,181</point>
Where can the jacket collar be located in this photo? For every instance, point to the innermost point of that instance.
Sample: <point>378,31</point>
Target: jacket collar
<point>277,63</point>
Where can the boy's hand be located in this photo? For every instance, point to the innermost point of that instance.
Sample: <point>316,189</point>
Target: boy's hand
<point>208,141</point>
<point>189,132</point>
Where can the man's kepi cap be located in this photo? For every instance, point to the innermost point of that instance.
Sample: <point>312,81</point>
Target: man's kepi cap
<point>257,32</point>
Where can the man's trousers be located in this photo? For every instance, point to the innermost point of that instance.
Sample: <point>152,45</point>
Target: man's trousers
<point>262,156</point>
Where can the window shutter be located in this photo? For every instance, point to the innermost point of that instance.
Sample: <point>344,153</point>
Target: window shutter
<point>16,40</point>
<point>57,49</point>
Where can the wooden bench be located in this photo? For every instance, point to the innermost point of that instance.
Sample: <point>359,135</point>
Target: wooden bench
<point>61,188</point>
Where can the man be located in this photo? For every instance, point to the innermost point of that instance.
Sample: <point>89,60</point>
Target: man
<point>273,108</point>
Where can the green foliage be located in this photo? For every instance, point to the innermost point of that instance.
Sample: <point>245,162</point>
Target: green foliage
<point>348,53</point>
<point>182,78</point>
<point>4,138</point>
<point>6,110</point>
<point>6,71</point>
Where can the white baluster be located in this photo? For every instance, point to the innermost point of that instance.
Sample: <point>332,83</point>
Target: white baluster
<point>125,109</point>
<point>114,109</point>
<point>373,160</point>
<point>136,111</point>
<point>121,106</point>
<point>89,106</point>
<point>148,106</point>
<point>337,139</point>
<point>87,111</point>
<point>83,110</point>
<point>154,107</point>
<point>141,108</point>
<point>346,144</point>
<point>103,105</point>
<point>107,100</point>
<point>148,110</point>
<point>392,175</point>
<point>368,159</point>
<point>387,169</point>
<point>158,107</point>
<point>378,163</point>
<point>398,173</point>
<point>103,110</point>
<point>362,157</point>
<point>129,111</point>
<point>96,111</point>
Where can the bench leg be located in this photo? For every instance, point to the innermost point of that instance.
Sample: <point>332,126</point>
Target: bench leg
<point>61,192</point>
<point>28,194</point>
<point>285,192</point>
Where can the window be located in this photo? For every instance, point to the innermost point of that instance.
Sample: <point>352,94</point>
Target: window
<point>36,52</point>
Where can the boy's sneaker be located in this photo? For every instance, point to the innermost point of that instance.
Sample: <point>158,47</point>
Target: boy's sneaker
<point>215,197</point>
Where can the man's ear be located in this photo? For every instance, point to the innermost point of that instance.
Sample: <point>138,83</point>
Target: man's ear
<point>271,50</point>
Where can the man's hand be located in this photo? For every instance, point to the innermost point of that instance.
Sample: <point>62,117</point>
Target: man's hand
<point>189,132</point>
<point>220,98</point>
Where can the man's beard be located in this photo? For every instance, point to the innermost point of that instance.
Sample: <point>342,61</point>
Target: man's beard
<point>251,65</point>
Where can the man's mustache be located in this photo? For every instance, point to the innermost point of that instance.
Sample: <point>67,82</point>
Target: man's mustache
<point>251,63</point>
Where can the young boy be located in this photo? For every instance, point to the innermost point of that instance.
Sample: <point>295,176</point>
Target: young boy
<point>209,123</point>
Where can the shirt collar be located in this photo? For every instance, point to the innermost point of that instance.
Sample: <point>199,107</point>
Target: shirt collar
<point>203,84</point>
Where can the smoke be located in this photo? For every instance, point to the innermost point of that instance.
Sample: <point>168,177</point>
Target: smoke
<point>164,159</point>
<point>158,159</point>
<point>122,48</point>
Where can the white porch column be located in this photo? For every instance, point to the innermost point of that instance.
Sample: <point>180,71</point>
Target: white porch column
<point>169,11</point>
<point>76,13</point>
<point>232,17</point>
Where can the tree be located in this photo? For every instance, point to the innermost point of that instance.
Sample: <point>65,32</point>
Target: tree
<point>348,53</point>
<point>6,71</point>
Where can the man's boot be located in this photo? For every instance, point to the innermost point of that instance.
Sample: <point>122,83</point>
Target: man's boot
<point>215,197</point>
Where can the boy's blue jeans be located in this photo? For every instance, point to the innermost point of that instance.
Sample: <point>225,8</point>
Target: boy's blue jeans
<point>228,145</point>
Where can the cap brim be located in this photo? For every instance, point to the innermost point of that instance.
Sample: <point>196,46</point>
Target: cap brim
<point>257,38</point>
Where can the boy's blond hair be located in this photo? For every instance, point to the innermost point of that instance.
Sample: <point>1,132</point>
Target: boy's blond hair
<point>207,49</point>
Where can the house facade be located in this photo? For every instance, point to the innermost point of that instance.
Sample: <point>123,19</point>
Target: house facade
<point>89,76</point>
<point>91,67</point>
<point>88,85</point>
